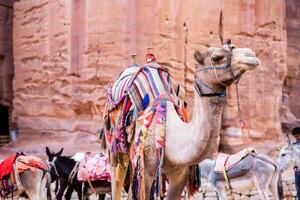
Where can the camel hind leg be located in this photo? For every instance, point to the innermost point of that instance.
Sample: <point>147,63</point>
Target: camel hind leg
<point>118,173</point>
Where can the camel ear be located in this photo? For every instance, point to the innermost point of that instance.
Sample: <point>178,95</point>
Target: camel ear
<point>60,152</point>
<point>199,57</point>
<point>48,152</point>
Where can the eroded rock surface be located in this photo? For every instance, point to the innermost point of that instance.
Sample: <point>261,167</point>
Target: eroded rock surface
<point>66,55</point>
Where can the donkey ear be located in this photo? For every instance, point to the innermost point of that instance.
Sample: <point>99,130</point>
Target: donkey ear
<point>228,42</point>
<point>278,148</point>
<point>60,152</point>
<point>48,152</point>
<point>288,140</point>
<point>199,57</point>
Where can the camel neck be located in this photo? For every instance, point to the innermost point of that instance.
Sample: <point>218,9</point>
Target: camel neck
<point>206,123</point>
<point>190,143</point>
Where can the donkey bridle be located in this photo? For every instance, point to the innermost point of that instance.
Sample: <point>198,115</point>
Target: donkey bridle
<point>72,173</point>
<point>200,83</point>
<point>52,164</point>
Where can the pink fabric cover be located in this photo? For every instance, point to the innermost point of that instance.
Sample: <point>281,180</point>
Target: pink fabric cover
<point>228,161</point>
<point>93,167</point>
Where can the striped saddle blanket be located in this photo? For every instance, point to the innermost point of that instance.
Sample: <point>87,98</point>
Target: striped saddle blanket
<point>135,89</point>
<point>143,86</point>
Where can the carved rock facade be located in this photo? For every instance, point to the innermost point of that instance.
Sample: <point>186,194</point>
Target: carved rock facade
<point>66,53</point>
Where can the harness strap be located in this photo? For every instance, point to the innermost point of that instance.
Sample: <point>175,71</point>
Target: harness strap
<point>73,172</point>
<point>17,177</point>
<point>91,186</point>
<point>226,177</point>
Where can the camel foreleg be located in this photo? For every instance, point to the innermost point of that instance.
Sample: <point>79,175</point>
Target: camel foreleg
<point>177,182</point>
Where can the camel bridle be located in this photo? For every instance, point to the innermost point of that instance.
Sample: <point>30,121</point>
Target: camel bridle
<point>200,83</point>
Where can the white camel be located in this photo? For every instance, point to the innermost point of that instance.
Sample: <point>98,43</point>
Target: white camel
<point>190,143</point>
<point>258,171</point>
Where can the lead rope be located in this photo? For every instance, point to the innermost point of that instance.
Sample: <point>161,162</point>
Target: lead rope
<point>242,125</point>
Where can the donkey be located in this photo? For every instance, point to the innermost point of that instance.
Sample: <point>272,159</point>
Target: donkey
<point>32,185</point>
<point>289,156</point>
<point>62,166</point>
<point>262,173</point>
<point>36,185</point>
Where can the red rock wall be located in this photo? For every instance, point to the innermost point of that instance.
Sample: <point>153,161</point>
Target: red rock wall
<point>66,53</point>
<point>290,111</point>
<point>6,57</point>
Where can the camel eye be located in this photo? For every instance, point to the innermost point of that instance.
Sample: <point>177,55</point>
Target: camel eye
<point>217,58</point>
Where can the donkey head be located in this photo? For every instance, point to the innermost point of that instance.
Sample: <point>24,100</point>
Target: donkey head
<point>51,160</point>
<point>52,155</point>
<point>289,156</point>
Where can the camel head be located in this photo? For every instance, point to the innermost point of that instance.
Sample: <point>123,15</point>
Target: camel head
<point>219,67</point>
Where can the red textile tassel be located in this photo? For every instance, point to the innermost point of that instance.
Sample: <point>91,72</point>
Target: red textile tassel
<point>150,58</point>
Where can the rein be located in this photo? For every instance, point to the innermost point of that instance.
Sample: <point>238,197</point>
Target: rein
<point>242,126</point>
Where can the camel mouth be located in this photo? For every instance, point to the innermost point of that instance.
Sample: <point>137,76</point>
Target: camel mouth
<point>247,57</point>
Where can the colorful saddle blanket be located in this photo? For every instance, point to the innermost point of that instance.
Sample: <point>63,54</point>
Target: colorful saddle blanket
<point>156,114</point>
<point>93,167</point>
<point>22,162</point>
<point>6,166</point>
<point>141,86</point>
<point>226,162</point>
<point>30,163</point>
<point>7,186</point>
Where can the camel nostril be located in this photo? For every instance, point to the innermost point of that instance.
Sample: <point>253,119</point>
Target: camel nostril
<point>249,55</point>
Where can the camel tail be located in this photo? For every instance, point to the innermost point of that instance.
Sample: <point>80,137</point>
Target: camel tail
<point>280,187</point>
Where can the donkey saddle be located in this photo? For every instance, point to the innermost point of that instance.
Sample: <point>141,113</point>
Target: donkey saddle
<point>232,166</point>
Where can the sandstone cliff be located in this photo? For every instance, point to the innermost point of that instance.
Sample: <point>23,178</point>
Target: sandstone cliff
<point>66,54</point>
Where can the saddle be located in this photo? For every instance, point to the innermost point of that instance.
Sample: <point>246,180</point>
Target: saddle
<point>226,161</point>
<point>30,163</point>
<point>232,166</point>
<point>11,167</point>
<point>93,167</point>
<point>132,93</point>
